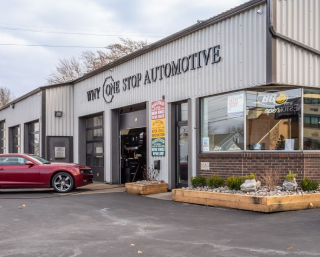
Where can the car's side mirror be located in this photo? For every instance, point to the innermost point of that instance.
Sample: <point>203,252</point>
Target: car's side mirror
<point>29,163</point>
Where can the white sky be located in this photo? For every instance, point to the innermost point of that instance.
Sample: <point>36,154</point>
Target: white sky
<point>23,69</point>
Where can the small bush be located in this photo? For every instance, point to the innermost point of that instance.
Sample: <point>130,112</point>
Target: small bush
<point>215,181</point>
<point>251,176</point>
<point>199,181</point>
<point>290,176</point>
<point>271,179</point>
<point>234,183</point>
<point>309,184</point>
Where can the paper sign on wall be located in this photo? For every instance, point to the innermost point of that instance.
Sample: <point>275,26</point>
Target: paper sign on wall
<point>158,128</point>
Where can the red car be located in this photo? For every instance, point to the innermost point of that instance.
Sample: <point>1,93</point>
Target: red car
<point>31,171</point>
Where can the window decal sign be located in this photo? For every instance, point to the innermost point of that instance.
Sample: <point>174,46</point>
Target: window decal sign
<point>235,106</point>
<point>158,128</point>
<point>272,98</point>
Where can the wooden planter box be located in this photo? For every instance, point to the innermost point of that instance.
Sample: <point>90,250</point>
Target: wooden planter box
<point>139,189</point>
<point>248,202</point>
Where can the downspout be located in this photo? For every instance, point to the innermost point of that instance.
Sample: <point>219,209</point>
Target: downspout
<point>275,34</point>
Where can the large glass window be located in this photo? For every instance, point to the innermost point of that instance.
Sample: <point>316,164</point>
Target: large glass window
<point>2,137</point>
<point>311,131</point>
<point>273,119</point>
<point>222,119</point>
<point>33,138</point>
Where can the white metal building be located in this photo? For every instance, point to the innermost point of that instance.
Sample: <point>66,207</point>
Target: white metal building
<point>233,84</point>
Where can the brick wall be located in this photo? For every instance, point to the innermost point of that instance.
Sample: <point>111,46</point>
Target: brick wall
<point>240,164</point>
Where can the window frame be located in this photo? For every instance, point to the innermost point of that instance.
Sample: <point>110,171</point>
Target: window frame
<point>245,150</point>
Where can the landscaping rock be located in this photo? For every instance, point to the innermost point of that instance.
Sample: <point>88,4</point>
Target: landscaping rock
<point>250,185</point>
<point>290,185</point>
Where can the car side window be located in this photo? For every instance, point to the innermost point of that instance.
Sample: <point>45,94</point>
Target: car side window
<point>13,160</point>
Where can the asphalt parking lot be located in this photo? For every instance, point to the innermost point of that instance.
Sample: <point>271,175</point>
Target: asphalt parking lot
<point>41,223</point>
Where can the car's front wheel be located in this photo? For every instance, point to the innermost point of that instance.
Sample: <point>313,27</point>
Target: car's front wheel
<point>62,182</point>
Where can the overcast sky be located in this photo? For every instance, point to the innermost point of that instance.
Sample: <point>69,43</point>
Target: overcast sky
<point>24,68</point>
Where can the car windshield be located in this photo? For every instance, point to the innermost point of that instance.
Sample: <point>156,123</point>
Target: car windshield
<point>39,159</point>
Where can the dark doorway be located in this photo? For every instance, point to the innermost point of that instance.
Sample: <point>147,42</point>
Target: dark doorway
<point>60,149</point>
<point>95,146</point>
<point>14,140</point>
<point>133,154</point>
<point>182,145</point>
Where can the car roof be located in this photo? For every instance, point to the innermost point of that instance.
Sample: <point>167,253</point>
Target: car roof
<point>13,154</point>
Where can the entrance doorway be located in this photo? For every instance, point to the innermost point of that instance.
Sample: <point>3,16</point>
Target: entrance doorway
<point>94,146</point>
<point>182,145</point>
<point>133,159</point>
<point>60,149</point>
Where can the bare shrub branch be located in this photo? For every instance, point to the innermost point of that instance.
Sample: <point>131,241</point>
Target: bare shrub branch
<point>271,179</point>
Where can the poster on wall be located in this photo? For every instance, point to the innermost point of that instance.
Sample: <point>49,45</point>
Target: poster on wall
<point>235,106</point>
<point>158,128</point>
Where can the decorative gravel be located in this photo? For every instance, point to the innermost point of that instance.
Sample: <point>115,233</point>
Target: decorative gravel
<point>149,182</point>
<point>263,191</point>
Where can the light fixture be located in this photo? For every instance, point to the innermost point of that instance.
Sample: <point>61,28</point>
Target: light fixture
<point>12,105</point>
<point>58,114</point>
<point>259,11</point>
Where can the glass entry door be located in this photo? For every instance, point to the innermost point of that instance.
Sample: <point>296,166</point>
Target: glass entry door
<point>94,146</point>
<point>182,149</point>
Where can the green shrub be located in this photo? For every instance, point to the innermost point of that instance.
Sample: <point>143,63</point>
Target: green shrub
<point>234,183</point>
<point>251,176</point>
<point>290,176</point>
<point>215,181</point>
<point>309,184</point>
<point>199,181</point>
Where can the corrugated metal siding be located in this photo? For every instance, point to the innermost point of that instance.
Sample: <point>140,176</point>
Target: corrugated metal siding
<point>243,50</point>
<point>298,20</point>
<point>59,99</point>
<point>24,111</point>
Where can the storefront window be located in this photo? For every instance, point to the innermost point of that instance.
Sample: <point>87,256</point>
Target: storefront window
<point>311,130</point>
<point>222,123</point>
<point>273,119</point>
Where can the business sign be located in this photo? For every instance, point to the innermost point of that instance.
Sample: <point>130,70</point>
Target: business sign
<point>272,98</point>
<point>158,146</point>
<point>235,106</point>
<point>158,128</point>
<point>112,87</point>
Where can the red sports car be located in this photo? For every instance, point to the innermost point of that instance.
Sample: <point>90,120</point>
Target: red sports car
<point>31,171</point>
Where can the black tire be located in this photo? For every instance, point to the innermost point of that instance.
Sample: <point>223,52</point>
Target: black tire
<point>62,182</point>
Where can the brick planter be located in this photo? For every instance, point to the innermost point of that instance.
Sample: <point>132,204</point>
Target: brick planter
<point>139,189</point>
<point>248,202</point>
<point>239,164</point>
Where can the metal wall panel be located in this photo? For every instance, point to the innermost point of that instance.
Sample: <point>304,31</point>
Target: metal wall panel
<point>24,111</point>
<point>298,20</point>
<point>59,99</point>
<point>243,50</point>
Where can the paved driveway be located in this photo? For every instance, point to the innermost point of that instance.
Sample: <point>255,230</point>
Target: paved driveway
<point>118,224</point>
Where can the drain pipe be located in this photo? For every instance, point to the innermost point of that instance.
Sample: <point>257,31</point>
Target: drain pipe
<point>275,34</point>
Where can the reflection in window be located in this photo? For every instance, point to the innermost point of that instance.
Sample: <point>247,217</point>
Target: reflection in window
<point>34,138</point>
<point>273,119</point>
<point>222,122</point>
<point>311,131</point>
<point>2,137</point>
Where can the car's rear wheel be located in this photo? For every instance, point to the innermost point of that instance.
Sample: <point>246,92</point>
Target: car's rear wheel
<point>62,182</point>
